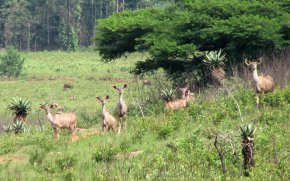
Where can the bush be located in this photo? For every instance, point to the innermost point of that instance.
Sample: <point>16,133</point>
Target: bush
<point>11,63</point>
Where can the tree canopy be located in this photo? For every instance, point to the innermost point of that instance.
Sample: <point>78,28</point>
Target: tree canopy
<point>176,35</point>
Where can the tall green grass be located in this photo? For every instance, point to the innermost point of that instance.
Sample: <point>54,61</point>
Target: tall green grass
<point>175,145</point>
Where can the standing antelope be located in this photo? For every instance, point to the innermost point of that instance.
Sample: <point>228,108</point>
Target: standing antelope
<point>121,108</point>
<point>108,121</point>
<point>263,83</point>
<point>172,105</point>
<point>63,120</point>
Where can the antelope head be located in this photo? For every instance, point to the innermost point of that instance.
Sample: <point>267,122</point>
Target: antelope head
<point>103,101</point>
<point>253,64</point>
<point>44,106</point>
<point>121,89</point>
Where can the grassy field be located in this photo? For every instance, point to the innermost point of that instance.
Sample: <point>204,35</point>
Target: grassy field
<point>172,145</point>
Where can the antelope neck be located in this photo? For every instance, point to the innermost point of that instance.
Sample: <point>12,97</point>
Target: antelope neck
<point>104,114</point>
<point>104,110</point>
<point>49,116</point>
<point>256,76</point>
<point>121,98</point>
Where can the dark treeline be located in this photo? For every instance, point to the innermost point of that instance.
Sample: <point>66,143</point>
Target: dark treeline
<point>32,25</point>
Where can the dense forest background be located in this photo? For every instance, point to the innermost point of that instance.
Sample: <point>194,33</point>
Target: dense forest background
<point>33,25</point>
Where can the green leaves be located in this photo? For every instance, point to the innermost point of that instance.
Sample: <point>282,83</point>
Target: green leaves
<point>247,132</point>
<point>214,58</point>
<point>17,127</point>
<point>168,94</point>
<point>174,35</point>
<point>11,63</point>
<point>20,106</point>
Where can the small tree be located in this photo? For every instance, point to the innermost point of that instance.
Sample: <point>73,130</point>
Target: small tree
<point>215,62</point>
<point>247,134</point>
<point>11,63</point>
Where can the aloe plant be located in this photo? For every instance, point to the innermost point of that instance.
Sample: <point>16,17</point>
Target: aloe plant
<point>20,107</point>
<point>215,61</point>
<point>8,128</point>
<point>247,134</point>
<point>168,94</point>
<point>214,58</point>
<point>18,127</point>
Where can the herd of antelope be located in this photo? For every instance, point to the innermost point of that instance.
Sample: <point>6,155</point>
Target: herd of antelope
<point>68,120</point>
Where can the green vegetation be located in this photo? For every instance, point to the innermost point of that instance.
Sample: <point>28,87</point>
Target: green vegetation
<point>50,25</point>
<point>11,63</point>
<point>214,60</point>
<point>20,107</point>
<point>175,145</point>
<point>176,36</point>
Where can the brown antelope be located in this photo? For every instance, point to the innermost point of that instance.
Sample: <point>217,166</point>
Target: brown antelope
<point>263,83</point>
<point>108,121</point>
<point>56,106</point>
<point>177,104</point>
<point>121,108</point>
<point>64,120</point>
<point>183,91</point>
<point>146,82</point>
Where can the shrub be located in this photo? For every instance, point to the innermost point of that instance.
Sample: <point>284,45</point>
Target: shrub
<point>105,153</point>
<point>11,63</point>
<point>36,157</point>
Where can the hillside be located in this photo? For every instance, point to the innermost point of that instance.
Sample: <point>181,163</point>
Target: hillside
<point>161,145</point>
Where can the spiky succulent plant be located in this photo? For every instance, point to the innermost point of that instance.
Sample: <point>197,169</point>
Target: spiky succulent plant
<point>247,132</point>
<point>168,94</point>
<point>8,128</point>
<point>214,59</point>
<point>20,107</point>
<point>18,127</point>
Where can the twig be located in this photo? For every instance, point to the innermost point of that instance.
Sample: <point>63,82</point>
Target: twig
<point>140,109</point>
<point>236,102</point>
<point>221,155</point>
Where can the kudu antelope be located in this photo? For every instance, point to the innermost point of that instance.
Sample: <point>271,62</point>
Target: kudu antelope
<point>121,108</point>
<point>108,121</point>
<point>61,120</point>
<point>183,90</point>
<point>56,106</point>
<point>263,83</point>
<point>177,104</point>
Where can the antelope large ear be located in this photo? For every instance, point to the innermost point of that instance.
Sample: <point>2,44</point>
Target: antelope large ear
<point>107,97</point>
<point>260,60</point>
<point>247,62</point>
<point>114,87</point>
<point>125,86</point>
<point>99,98</point>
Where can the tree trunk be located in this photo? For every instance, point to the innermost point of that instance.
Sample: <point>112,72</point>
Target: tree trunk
<point>28,37</point>
<point>117,5</point>
<point>248,154</point>
<point>48,29</point>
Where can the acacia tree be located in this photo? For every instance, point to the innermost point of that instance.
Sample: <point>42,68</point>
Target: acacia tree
<point>176,36</point>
